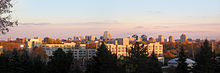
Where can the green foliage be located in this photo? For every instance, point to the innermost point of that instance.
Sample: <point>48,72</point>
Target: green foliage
<point>103,62</point>
<point>4,63</point>
<point>5,17</point>
<point>60,62</point>
<point>154,64</point>
<point>140,62</point>
<point>15,63</point>
<point>21,62</point>
<point>205,59</point>
<point>38,65</point>
<point>182,65</point>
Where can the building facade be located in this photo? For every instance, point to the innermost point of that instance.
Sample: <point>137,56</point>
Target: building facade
<point>107,35</point>
<point>161,38</point>
<point>183,38</point>
<point>171,39</point>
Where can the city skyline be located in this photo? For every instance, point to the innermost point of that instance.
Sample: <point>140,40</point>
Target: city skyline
<point>108,36</point>
<point>63,19</point>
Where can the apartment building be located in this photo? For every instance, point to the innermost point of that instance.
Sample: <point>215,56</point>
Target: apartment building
<point>31,43</point>
<point>123,50</point>
<point>1,50</point>
<point>157,48</point>
<point>50,48</point>
<point>79,50</point>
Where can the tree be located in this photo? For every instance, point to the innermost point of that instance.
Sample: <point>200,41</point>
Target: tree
<point>5,17</point>
<point>58,62</point>
<point>138,59</point>
<point>4,63</point>
<point>25,62</point>
<point>205,60</point>
<point>14,62</point>
<point>154,64</point>
<point>38,66</point>
<point>39,51</point>
<point>182,65</point>
<point>73,66</point>
<point>103,62</point>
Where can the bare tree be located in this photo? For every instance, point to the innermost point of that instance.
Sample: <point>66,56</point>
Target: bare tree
<point>5,16</point>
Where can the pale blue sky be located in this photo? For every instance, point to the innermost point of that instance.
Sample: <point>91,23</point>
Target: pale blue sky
<point>121,17</point>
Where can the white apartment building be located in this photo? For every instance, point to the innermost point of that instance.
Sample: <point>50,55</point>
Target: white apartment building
<point>158,50</point>
<point>83,54</point>
<point>119,50</point>
<point>31,43</point>
<point>1,50</point>
<point>50,48</point>
<point>123,50</point>
<point>79,50</point>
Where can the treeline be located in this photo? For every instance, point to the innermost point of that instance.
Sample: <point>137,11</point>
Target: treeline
<point>205,60</point>
<point>21,61</point>
<point>138,61</point>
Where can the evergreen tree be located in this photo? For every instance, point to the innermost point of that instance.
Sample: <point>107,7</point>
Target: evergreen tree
<point>38,66</point>
<point>91,66</point>
<point>121,63</point>
<point>25,62</point>
<point>14,62</point>
<point>103,62</point>
<point>205,61</point>
<point>138,60</point>
<point>59,62</point>
<point>182,65</point>
<point>73,66</point>
<point>4,63</point>
<point>154,64</point>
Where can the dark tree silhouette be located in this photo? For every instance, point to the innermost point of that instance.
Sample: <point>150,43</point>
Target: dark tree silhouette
<point>138,59</point>
<point>38,65</point>
<point>59,62</point>
<point>103,62</point>
<point>205,60</point>
<point>182,65</point>
<point>154,64</point>
<point>14,62</point>
<point>4,63</point>
<point>5,17</point>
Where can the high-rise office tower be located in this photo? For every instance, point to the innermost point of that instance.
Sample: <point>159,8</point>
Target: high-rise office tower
<point>183,38</point>
<point>107,35</point>
<point>160,38</point>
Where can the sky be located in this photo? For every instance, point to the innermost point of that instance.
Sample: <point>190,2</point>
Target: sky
<point>122,18</point>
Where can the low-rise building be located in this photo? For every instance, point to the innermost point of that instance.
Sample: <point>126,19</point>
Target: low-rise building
<point>1,50</point>
<point>85,54</point>
<point>31,43</point>
<point>123,50</point>
<point>174,63</point>
<point>119,50</point>
<point>79,50</point>
<point>158,50</point>
<point>50,48</point>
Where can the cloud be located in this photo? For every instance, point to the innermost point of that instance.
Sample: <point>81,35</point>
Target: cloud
<point>139,27</point>
<point>96,23</point>
<point>191,31</point>
<point>35,24</point>
<point>160,27</point>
